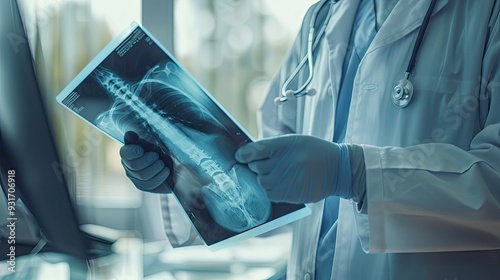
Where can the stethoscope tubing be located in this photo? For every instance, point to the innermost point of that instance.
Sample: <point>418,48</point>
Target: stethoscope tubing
<point>420,37</point>
<point>308,58</point>
<point>400,99</point>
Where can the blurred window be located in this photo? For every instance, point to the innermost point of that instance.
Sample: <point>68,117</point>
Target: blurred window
<point>233,48</point>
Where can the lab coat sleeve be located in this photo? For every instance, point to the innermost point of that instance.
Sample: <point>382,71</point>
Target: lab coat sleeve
<point>177,226</point>
<point>274,120</point>
<point>437,197</point>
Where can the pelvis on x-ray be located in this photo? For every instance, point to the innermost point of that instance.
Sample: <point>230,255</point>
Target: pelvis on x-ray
<point>160,110</point>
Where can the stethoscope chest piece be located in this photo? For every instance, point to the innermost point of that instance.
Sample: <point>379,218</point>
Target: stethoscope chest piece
<point>403,90</point>
<point>402,93</point>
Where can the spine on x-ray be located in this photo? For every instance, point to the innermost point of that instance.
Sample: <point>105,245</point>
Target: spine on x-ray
<point>233,199</point>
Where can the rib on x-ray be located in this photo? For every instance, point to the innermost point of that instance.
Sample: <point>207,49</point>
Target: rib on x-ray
<point>159,111</point>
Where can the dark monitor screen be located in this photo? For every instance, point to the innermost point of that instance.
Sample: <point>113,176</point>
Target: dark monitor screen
<point>27,148</point>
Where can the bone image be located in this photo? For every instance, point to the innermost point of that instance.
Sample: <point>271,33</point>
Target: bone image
<point>158,109</point>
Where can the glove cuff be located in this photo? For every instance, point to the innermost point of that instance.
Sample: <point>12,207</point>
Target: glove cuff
<point>344,178</point>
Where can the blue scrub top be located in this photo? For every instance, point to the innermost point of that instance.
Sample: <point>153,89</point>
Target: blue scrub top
<point>361,37</point>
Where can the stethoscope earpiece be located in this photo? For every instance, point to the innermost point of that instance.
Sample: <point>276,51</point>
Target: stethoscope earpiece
<point>290,94</point>
<point>311,92</point>
<point>279,100</point>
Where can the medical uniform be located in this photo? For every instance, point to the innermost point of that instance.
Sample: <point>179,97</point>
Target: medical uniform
<point>432,204</point>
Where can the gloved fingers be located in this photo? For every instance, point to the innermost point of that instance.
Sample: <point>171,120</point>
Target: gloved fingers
<point>262,166</point>
<point>131,151</point>
<point>280,194</point>
<point>132,139</point>
<point>148,159</point>
<point>285,188</point>
<point>147,165</point>
<point>155,183</point>
<point>257,150</point>
<point>147,173</point>
<point>268,181</point>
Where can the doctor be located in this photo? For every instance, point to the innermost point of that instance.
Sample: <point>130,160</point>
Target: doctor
<point>403,184</point>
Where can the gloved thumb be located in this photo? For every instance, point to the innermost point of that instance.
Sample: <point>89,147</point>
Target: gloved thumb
<point>257,150</point>
<point>131,137</point>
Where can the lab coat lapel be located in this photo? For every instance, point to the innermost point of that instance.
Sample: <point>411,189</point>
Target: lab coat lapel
<point>337,34</point>
<point>407,16</point>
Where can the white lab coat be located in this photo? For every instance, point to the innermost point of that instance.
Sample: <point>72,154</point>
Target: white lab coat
<point>432,207</point>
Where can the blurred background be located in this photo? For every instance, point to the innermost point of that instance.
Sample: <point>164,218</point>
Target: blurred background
<point>232,47</point>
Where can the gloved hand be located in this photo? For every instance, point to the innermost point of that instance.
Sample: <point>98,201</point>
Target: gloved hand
<point>143,164</point>
<point>299,168</point>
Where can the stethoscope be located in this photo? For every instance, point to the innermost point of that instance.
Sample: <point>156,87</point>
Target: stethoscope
<point>403,90</point>
<point>308,58</point>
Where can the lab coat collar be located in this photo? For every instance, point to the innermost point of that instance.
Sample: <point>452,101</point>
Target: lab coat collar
<point>406,16</point>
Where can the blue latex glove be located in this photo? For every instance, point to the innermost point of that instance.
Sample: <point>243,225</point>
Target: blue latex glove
<point>143,164</point>
<point>299,168</point>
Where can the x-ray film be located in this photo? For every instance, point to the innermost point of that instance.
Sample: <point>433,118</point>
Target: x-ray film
<point>134,84</point>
